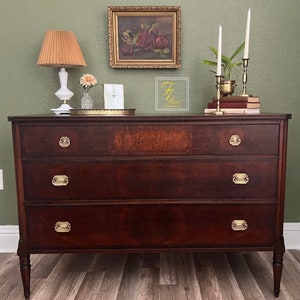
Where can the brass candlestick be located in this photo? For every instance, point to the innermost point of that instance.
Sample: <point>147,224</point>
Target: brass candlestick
<point>218,111</point>
<point>245,68</point>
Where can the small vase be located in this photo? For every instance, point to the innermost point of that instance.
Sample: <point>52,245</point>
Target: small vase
<point>87,102</point>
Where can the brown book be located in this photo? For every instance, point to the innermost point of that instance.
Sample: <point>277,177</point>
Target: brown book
<point>238,99</point>
<point>234,104</point>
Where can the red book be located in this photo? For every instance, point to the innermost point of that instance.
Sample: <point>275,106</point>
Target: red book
<point>238,99</point>
<point>232,104</point>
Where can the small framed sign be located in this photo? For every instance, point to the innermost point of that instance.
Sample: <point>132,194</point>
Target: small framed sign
<point>172,94</point>
<point>113,96</point>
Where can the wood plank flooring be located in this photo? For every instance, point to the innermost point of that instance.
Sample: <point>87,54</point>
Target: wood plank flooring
<point>180,276</point>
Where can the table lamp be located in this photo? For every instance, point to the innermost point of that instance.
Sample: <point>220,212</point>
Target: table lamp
<point>60,49</point>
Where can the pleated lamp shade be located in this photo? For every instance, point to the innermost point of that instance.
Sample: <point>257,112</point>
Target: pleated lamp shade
<point>61,49</point>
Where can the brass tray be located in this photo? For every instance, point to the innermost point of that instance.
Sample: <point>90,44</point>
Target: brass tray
<point>105,112</point>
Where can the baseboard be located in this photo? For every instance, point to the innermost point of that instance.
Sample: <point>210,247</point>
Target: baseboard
<point>291,233</point>
<point>9,237</point>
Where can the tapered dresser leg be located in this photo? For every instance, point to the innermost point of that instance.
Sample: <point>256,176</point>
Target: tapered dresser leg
<point>25,273</point>
<point>277,266</point>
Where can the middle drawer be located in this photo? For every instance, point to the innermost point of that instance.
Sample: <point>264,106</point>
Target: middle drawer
<point>152,179</point>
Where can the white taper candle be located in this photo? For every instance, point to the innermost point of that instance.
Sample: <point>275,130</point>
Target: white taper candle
<point>219,59</point>
<point>247,36</point>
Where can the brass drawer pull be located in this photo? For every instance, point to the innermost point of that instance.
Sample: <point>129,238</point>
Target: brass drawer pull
<point>235,140</point>
<point>64,142</point>
<point>240,178</point>
<point>62,227</point>
<point>60,180</point>
<point>239,225</point>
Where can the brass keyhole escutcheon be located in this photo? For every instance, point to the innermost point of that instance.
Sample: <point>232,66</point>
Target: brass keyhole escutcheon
<point>235,140</point>
<point>64,142</point>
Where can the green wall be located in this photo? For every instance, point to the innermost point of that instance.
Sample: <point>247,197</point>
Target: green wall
<point>27,88</point>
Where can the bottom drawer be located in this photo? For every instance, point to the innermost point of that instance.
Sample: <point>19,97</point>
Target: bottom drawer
<point>138,226</point>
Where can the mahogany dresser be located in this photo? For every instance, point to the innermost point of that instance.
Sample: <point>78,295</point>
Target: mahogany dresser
<point>150,183</point>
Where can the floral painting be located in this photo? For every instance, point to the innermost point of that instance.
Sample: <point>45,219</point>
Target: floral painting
<point>144,36</point>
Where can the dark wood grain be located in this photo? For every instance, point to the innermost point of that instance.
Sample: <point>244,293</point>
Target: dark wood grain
<point>151,184</point>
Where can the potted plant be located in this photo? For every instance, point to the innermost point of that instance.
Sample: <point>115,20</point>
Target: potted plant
<point>227,85</point>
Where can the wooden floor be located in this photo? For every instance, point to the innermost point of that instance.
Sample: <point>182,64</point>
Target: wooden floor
<point>192,276</point>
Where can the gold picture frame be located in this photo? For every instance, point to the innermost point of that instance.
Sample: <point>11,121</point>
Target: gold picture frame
<point>144,36</point>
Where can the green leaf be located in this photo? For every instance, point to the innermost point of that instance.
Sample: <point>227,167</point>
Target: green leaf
<point>236,64</point>
<point>156,50</point>
<point>213,50</point>
<point>237,51</point>
<point>209,62</point>
<point>227,63</point>
<point>134,40</point>
<point>226,60</point>
<point>126,35</point>
<point>166,50</point>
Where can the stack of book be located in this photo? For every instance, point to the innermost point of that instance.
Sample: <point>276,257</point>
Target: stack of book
<point>235,105</point>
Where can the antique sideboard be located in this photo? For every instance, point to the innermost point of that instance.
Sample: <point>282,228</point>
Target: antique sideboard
<point>150,183</point>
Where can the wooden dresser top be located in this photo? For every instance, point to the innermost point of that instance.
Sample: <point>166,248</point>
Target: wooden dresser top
<point>151,118</point>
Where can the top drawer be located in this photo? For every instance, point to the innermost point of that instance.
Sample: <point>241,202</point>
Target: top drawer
<point>64,140</point>
<point>160,139</point>
<point>236,139</point>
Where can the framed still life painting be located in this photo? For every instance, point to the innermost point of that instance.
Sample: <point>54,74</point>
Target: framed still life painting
<point>144,36</point>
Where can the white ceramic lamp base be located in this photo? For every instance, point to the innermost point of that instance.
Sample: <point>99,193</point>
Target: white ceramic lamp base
<point>63,93</point>
<point>63,109</point>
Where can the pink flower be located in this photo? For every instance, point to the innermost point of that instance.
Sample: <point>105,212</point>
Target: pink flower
<point>161,42</point>
<point>87,81</point>
<point>126,49</point>
<point>145,40</point>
